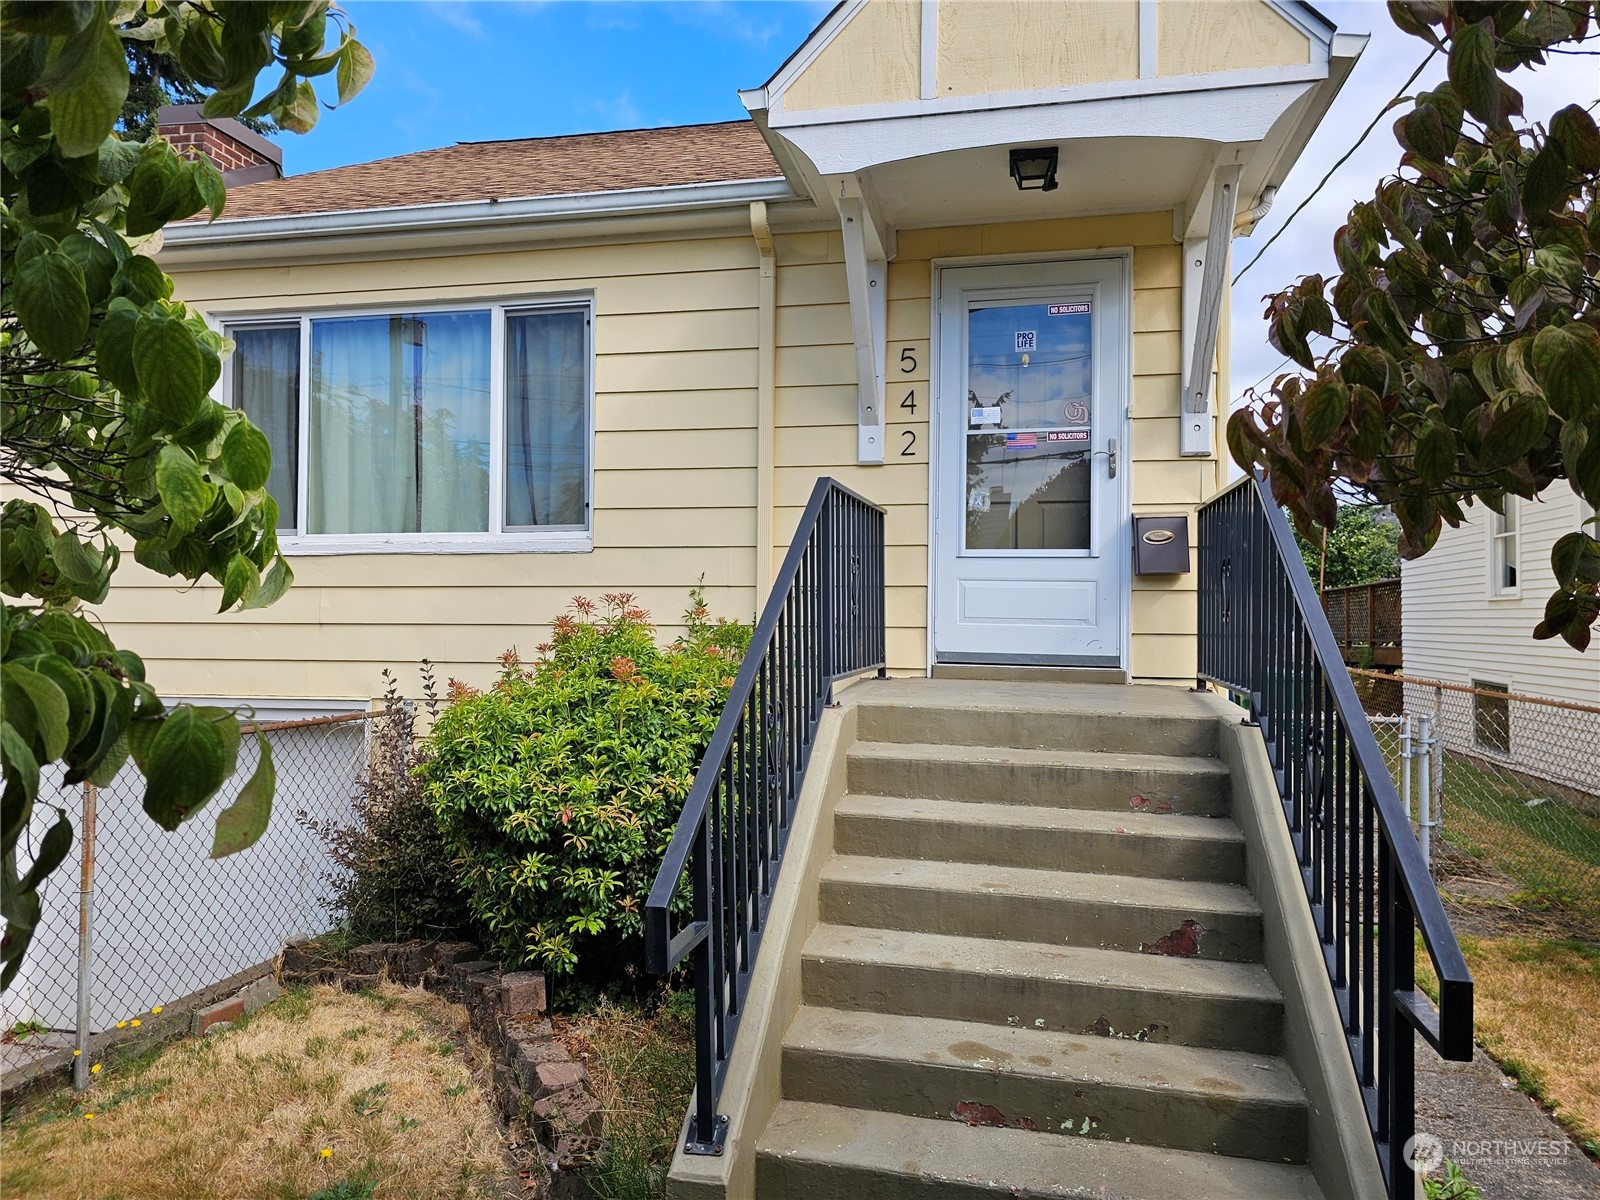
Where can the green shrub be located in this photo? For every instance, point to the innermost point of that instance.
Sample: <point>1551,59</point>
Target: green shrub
<point>396,879</point>
<point>558,788</point>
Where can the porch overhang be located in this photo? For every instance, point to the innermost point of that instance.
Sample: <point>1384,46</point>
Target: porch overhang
<point>1206,147</point>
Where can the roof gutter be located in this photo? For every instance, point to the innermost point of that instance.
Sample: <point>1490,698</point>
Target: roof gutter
<point>476,214</point>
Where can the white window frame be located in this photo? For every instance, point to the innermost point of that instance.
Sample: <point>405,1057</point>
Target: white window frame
<point>1505,549</point>
<point>499,539</point>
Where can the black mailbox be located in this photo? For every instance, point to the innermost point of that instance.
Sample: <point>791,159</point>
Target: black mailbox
<point>1161,545</point>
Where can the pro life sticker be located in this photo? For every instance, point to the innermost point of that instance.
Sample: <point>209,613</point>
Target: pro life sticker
<point>1027,341</point>
<point>1069,310</point>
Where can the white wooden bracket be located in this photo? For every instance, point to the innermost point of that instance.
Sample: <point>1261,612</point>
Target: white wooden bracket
<point>1205,263</point>
<point>867,249</point>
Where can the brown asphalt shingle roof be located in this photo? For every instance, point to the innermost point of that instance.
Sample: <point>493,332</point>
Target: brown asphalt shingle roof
<point>587,162</point>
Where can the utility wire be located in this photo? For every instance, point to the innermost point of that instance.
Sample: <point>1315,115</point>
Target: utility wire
<point>1381,113</point>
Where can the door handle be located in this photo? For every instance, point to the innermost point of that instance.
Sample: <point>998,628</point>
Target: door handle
<point>1111,457</point>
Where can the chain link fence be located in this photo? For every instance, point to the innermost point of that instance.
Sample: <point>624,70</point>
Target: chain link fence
<point>163,919</point>
<point>1504,790</point>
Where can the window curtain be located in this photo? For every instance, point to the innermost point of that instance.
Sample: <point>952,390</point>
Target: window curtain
<point>399,439</point>
<point>266,387</point>
<point>546,386</point>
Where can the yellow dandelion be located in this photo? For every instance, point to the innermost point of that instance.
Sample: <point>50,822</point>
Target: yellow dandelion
<point>88,1116</point>
<point>95,1070</point>
<point>75,1053</point>
<point>156,1010</point>
<point>326,1152</point>
<point>122,1024</point>
<point>135,1022</point>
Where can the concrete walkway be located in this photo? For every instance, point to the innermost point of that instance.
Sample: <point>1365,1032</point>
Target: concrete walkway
<point>1471,1106</point>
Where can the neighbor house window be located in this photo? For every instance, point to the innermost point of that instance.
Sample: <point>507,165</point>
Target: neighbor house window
<point>1491,716</point>
<point>1503,557</point>
<point>423,428</point>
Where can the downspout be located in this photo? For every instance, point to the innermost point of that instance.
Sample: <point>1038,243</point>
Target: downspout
<point>766,393</point>
<point>1247,220</point>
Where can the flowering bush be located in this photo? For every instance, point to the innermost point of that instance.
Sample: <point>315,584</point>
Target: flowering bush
<point>559,787</point>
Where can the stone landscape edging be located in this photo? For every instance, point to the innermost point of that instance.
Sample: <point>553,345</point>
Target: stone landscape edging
<point>534,1079</point>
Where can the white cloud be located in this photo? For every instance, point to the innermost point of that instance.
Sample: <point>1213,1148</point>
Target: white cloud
<point>458,15</point>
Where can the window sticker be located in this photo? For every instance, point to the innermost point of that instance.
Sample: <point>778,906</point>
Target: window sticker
<point>986,415</point>
<point>1022,441</point>
<point>1067,435</point>
<point>1069,310</point>
<point>1077,412</point>
<point>1027,340</point>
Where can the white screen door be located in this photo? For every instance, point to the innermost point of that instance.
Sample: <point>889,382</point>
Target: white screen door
<point>1031,462</point>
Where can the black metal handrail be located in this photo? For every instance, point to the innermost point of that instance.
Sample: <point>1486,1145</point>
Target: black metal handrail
<point>1264,637</point>
<point>823,621</point>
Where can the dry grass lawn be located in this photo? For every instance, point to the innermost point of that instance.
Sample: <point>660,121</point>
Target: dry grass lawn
<point>1537,1007</point>
<point>349,1096</point>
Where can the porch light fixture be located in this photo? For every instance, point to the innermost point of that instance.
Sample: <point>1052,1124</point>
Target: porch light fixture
<point>1034,169</point>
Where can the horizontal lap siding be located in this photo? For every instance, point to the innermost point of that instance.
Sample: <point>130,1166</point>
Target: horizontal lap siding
<point>1453,631</point>
<point>674,481</point>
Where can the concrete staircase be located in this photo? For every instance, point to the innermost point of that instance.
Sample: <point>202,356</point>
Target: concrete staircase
<point>1035,970</point>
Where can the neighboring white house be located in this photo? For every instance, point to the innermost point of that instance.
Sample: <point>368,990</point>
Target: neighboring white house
<point>1469,607</point>
<point>1470,604</point>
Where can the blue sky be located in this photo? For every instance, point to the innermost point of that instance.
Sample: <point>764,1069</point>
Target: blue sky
<point>454,70</point>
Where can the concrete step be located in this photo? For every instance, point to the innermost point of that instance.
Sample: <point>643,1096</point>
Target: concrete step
<point>1063,908</point>
<point>822,1152</point>
<point>1141,785</point>
<point>1072,989</point>
<point>1017,835</point>
<point>1099,719</point>
<point>1180,1097</point>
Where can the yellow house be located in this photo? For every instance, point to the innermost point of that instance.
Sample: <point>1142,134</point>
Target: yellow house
<point>1035,931</point>
<point>970,259</point>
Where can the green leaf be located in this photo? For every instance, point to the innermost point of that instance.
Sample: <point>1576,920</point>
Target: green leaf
<point>1545,185</point>
<point>355,71</point>
<point>299,115</point>
<point>166,358</point>
<point>1566,362</point>
<point>1515,427</point>
<point>239,581</point>
<point>142,281</point>
<point>274,583</point>
<point>22,767</point>
<point>1436,453</point>
<point>208,182</point>
<point>82,115</point>
<point>114,346</point>
<point>247,455</point>
<point>1574,131</point>
<point>50,298</point>
<point>52,716</point>
<point>1575,559</point>
<point>183,488</point>
<point>1472,72</point>
<point>184,766</point>
<point>99,265</point>
<point>53,849</point>
<point>241,824</point>
<point>1323,411</point>
<point>78,562</point>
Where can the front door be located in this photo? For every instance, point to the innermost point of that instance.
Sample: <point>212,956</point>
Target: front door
<point>1030,509</point>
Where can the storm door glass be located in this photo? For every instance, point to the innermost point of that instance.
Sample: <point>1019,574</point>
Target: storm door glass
<point>1030,433</point>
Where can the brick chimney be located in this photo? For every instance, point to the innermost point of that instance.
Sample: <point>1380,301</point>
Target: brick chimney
<point>241,154</point>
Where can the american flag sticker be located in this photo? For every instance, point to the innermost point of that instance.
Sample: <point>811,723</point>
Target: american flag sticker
<point>1069,310</point>
<point>1022,441</point>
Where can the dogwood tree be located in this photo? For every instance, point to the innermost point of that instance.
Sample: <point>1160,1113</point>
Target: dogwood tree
<point>1456,356</point>
<point>109,440</point>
